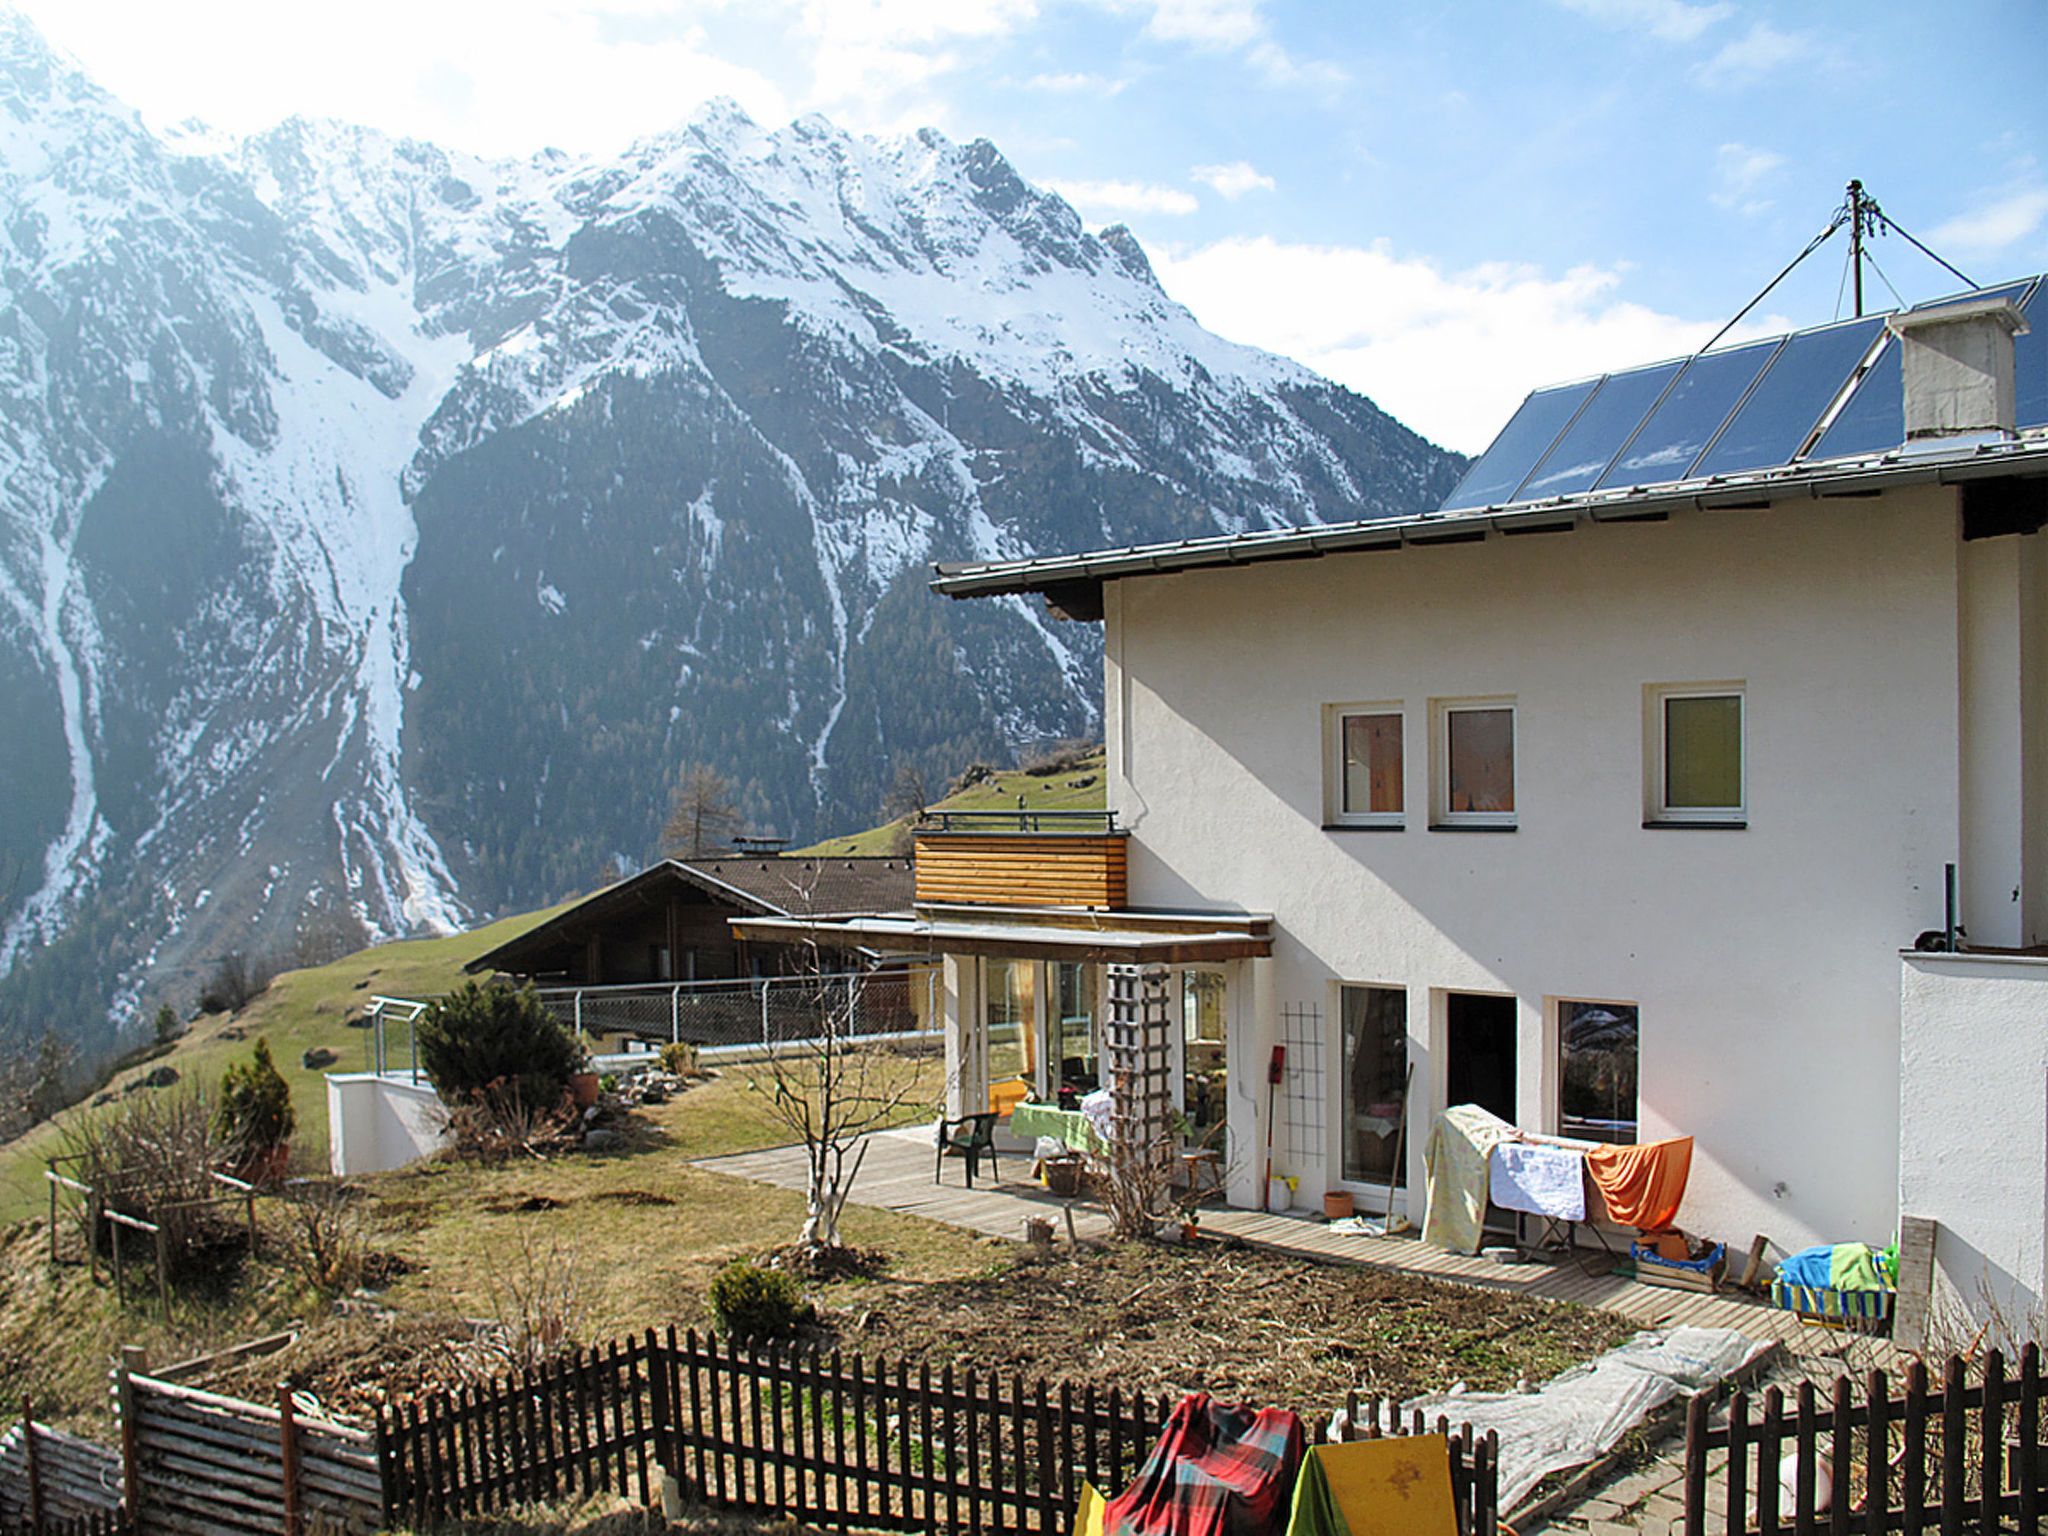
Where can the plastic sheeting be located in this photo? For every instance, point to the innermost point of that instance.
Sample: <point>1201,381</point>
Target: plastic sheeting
<point>1584,1411</point>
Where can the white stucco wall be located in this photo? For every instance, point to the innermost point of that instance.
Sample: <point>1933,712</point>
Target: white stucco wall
<point>1973,1123</point>
<point>378,1123</point>
<point>1763,960</point>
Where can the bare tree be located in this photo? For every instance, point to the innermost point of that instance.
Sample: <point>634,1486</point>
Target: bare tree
<point>904,803</point>
<point>703,816</point>
<point>908,793</point>
<point>831,1088</point>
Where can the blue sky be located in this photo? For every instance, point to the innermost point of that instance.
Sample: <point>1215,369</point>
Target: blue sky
<point>1441,206</point>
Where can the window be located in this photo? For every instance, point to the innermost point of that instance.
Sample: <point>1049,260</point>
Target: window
<point>1362,765</point>
<point>1375,1039</point>
<point>1693,766</point>
<point>1009,988</point>
<point>1475,764</point>
<point>1597,1071</point>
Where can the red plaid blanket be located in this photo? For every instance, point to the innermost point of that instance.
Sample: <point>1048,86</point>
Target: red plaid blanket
<point>1218,1470</point>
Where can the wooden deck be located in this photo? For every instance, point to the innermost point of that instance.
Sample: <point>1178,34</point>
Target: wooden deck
<point>896,1175</point>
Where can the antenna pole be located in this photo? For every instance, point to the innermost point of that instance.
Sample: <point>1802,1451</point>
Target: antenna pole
<point>1856,241</point>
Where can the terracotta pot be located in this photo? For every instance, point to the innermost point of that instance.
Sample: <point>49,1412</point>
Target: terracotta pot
<point>1337,1204</point>
<point>584,1086</point>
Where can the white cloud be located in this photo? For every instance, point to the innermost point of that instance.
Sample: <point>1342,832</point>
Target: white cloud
<point>1233,180</point>
<point>1233,26</point>
<point>512,75</point>
<point>1077,85</point>
<point>1125,197</point>
<point>1672,21</point>
<point>1761,51</point>
<point>1450,354</point>
<point>1994,226</point>
<point>1739,171</point>
<point>1209,23</point>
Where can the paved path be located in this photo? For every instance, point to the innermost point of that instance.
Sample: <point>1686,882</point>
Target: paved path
<point>896,1174</point>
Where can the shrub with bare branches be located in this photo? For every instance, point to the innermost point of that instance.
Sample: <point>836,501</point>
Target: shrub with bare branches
<point>329,1233</point>
<point>151,1158</point>
<point>538,1310</point>
<point>495,1123</point>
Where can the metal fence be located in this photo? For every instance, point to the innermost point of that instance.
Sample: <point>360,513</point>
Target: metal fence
<point>763,1011</point>
<point>759,1013</point>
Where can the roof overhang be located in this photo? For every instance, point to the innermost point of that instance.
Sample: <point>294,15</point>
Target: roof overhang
<point>1073,583</point>
<point>1033,933</point>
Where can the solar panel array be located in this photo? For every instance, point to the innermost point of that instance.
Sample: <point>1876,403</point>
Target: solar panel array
<point>1746,408</point>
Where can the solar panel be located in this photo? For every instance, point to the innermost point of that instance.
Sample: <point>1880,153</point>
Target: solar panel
<point>2030,363</point>
<point>1521,443</point>
<point>1874,420</point>
<point>1732,412</point>
<point>1686,419</point>
<point>1590,443</point>
<point>1788,401</point>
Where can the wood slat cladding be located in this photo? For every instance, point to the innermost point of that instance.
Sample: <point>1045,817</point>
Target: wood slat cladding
<point>1023,869</point>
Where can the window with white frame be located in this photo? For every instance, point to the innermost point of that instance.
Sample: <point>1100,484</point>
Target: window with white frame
<point>1362,772</point>
<point>1474,769</point>
<point>1693,765</point>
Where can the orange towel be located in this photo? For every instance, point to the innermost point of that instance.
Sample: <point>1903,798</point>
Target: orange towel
<point>1642,1185</point>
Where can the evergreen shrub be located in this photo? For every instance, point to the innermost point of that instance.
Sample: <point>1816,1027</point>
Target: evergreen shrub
<point>749,1302</point>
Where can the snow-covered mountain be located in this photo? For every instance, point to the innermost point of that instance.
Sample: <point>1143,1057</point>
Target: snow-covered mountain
<point>381,527</point>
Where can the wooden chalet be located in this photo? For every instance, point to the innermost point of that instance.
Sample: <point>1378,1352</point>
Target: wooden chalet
<point>672,922</point>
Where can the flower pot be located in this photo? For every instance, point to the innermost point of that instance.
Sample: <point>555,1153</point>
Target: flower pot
<point>1337,1204</point>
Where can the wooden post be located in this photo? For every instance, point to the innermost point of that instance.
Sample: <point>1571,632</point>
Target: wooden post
<point>1736,1517</point>
<point>1877,1452</point>
<point>1696,1424</point>
<point>1804,1449</point>
<point>120,1277</point>
<point>134,1362</point>
<point>2029,1470</point>
<point>1840,1456</point>
<point>1954,1420</point>
<point>380,1443</point>
<point>28,1451</point>
<point>1913,1492</point>
<point>1992,1441</point>
<point>288,1454</point>
<point>163,1274</point>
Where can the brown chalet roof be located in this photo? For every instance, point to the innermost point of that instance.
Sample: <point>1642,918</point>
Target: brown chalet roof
<point>756,886</point>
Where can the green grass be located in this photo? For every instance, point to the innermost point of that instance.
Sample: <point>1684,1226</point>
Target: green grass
<point>1039,792</point>
<point>631,1237</point>
<point>301,1010</point>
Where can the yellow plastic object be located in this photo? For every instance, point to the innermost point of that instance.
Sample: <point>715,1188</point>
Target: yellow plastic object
<point>1007,1095</point>
<point>1393,1487</point>
<point>1088,1514</point>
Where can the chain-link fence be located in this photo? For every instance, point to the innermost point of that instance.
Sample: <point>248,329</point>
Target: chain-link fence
<point>764,1011</point>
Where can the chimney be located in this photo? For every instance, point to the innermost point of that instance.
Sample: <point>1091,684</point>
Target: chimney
<point>1957,365</point>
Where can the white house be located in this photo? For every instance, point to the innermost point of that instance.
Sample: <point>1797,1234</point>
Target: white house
<point>1619,795</point>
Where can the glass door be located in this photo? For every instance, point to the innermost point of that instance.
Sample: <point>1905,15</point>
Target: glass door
<point>1204,1070</point>
<point>1375,1045</point>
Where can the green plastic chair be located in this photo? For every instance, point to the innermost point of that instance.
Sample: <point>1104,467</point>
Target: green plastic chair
<point>971,1137</point>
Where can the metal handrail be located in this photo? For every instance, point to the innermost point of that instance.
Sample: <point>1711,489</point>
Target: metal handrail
<point>1021,819</point>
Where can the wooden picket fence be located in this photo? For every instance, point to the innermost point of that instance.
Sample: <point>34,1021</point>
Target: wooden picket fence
<point>816,1438</point>
<point>1963,1458</point>
<point>54,1484</point>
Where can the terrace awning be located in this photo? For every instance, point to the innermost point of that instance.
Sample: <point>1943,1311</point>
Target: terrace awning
<point>1032,933</point>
